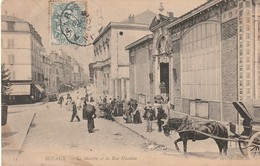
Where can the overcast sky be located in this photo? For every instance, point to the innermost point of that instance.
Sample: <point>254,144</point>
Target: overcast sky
<point>101,11</point>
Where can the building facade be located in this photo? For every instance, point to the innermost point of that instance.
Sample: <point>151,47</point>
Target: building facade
<point>111,63</point>
<point>141,69</point>
<point>47,74</point>
<point>208,58</point>
<point>22,53</point>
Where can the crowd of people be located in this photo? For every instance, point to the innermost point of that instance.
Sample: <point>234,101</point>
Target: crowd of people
<point>111,107</point>
<point>131,113</point>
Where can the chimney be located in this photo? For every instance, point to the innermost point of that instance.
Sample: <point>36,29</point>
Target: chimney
<point>131,19</point>
<point>170,14</point>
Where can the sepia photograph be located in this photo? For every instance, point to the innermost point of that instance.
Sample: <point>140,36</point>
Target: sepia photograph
<point>130,82</point>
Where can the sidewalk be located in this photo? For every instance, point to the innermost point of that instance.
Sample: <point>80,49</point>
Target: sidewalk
<point>14,133</point>
<point>157,140</point>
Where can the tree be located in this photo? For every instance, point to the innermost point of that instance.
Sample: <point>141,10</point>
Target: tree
<point>5,80</point>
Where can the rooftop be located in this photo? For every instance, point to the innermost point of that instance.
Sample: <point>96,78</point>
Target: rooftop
<point>120,25</point>
<point>142,18</point>
<point>139,41</point>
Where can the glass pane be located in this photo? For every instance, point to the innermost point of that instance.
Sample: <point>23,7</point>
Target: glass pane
<point>209,30</point>
<point>218,76</point>
<point>199,92</point>
<point>209,92</point>
<point>217,92</point>
<point>203,30</point>
<point>209,80</point>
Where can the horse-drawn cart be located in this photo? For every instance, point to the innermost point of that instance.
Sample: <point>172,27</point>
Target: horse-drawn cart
<point>248,140</point>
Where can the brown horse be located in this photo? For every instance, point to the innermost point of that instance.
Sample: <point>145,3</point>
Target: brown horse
<point>187,131</point>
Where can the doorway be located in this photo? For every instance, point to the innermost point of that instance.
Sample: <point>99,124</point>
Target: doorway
<point>164,79</point>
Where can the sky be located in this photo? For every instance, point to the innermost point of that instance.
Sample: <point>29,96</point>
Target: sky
<point>101,12</point>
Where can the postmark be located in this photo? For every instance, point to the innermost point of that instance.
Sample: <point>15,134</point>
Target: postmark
<point>69,22</point>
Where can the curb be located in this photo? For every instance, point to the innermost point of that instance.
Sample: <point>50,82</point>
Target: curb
<point>26,105</point>
<point>29,127</point>
<point>131,130</point>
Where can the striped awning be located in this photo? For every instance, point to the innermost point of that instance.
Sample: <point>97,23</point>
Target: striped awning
<point>17,90</point>
<point>39,87</point>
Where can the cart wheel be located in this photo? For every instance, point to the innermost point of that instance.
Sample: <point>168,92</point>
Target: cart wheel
<point>243,148</point>
<point>254,146</point>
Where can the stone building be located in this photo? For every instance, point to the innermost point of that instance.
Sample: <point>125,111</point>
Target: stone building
<point>208,58</point>
<point>111,63</point>
<point>141,69</point>
<point>22,53</point>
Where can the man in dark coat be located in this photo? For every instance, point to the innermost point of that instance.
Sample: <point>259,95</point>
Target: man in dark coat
<point>161,114</point>
<point>74,112</point>
<point>89,113</point>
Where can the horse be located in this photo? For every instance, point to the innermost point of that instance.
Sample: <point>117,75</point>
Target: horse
<point>194,131</point>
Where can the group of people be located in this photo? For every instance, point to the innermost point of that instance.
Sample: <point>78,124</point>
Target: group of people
<point>89,111</point>
<point>151,114</point>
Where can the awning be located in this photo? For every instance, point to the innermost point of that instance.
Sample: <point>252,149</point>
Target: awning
<point>67,85</point>
<point>20,90</point>
<point>39,87</point>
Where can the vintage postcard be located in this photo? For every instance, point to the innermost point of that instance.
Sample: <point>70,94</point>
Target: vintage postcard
<point>130,82</point>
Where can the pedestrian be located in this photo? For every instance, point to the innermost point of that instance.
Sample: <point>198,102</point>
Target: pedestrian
<point>105,100</point>
<point>161,115</point>
<point>61,99</point>
<point>69,103</point>
<point>87,96</point>
<point>89,113</point>
<point>156,106</point>
<point>120,108</point>
<point>74,112</point>
<point>149,116</point>
<point>170,108</point>
<point>91,99</point>
<point>137,116</point>
<point>32,98</point>
<point>128,115</point>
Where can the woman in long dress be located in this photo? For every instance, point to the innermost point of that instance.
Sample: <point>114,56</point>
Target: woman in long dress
<point>89,113</point>
<point>69,103</point>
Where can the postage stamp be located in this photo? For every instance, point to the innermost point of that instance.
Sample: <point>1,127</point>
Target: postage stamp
<point>69,22</point>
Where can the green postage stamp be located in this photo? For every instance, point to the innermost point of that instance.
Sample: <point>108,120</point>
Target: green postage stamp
<point>68,22</point>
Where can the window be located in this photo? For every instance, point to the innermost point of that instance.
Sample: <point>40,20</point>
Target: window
<point>132,60</point>
<point>141,98</point>
<point>10,43</point>
<point>11,59</point>
<point>10,26</point>
<point>12,75</point>
<point>201,65</point>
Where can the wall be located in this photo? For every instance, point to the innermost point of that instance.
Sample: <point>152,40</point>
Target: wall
<point>229,69</point>
<point>21,52</point>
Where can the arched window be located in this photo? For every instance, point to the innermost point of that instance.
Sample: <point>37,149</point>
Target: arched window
<point>200,55</point>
